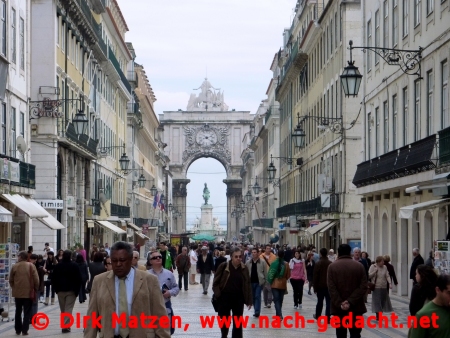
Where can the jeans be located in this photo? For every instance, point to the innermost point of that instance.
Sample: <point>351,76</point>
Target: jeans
<point>267,293</point>
<point>227,303</point>
<point>342,331</point>
<point>204,279</point>
<point>278,296</point>
<point>256,291</point>
<point>66,301</point>
<point>34,306</point>
<point>48,285</point>
<point>180,277</point>
<point>19,325</point>
<point>297,286</point>
<point>321,294</point>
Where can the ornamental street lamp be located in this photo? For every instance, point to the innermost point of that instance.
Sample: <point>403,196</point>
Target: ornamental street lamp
<point>80,122</point>
<point>248,196</point>
<point>256,188</point>
<point>298,135</point>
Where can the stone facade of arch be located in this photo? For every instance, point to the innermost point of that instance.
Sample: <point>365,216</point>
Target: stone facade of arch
<point>191,135</point>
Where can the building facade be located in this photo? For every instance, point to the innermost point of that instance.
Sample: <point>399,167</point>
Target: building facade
<point>315,195</point>
<point>402,175</point>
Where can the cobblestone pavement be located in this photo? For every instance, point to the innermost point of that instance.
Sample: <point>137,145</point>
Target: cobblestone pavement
<point>192,304</point>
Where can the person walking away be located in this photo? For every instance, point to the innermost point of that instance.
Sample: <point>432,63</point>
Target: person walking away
<point>183,264</point>
<point>424,290</point>
<point>430,259</point>
<point>49,265</point>
<point>95,268</point>
<point>24,282</point>
<point>219,260</point>
<point>94,250</point>
<point>391,270</point>
<point>258,271</point>
<point>167,282</point>
<point>298,277</point>
<point>347,284</point>
<point>379,275</point>
<point>278,275</point>
<point>418,259</point>
<point>320,284</point>
<point>33,260</point>
<point>205,266</point>
<point>310,265</point>
<point>232,290</point>
<point>84,278</point>
<point>193,257</point>
<point>439,309</point>
<point>268,257</point>
<point>67,283</point>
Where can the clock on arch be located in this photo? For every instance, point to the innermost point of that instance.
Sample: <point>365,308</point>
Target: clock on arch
<point>206,137</point>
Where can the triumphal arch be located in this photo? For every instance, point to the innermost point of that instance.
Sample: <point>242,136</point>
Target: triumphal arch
<point>207,128</point>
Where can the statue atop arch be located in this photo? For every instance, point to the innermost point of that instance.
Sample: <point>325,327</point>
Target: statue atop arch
<point>209,99</point>
<point>206,194</point>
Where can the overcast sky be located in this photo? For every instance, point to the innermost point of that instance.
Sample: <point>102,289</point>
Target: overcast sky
<point>233,42</point>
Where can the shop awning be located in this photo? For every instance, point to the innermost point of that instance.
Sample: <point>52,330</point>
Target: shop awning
<point>408,211</point>
<point>111,227</point>
<point>5,215</point>
<point>142,235</point>
<point>329,226</point>
<point>134,227</point>
<point>49,220</point>
<point>22,203</point>
<point>318,227</point>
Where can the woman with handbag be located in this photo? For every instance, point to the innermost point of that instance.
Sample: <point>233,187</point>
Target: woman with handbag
<point>379,275</point>
<point>49,265</point>
<point>279,273</point>
<point>298,277</point>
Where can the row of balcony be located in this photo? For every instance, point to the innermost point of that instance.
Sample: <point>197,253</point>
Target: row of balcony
<point>116,65</point>
<point>120,211</point>
<point>17,173</point>
<point>308,208</point>
<point>84,141</point>
<point>263,223</point>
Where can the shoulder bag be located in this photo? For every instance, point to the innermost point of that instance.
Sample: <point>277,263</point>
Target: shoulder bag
<point>371,286</point>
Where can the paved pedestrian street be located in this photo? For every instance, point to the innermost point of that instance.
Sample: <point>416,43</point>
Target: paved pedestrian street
<point>192,304</point>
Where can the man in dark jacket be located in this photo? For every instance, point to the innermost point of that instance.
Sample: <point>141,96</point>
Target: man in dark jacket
<point>232,289</point>
<point>320,284</point>
<point>67,282</point>
<point>205,265</point>
<point>347,284</point>
<point>183,263</point>
<point>416,262</point>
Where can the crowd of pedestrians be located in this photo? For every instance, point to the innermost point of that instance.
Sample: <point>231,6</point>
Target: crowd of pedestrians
<point>242,274</point>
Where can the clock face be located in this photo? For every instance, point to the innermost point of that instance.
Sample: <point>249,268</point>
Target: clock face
<point>206,137</point>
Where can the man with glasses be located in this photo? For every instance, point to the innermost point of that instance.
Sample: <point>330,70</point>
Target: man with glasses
<point>167,282</point>
<point>135,263</point>
<point>128,291</point>
<point>232,289</point>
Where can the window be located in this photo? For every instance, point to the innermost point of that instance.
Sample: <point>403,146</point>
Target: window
<point>369,134</point>
<point>377,131</point>
<point>3,124</point>
<point>63,37</point>
<point>445,120</point>
<point>417,114</point>
<point>336,30</point>
<point>395,23</point>
<point>369,43</point>
<point>386,126</point>
<point>417,4</point>
<point>430,99</point>
<point>12,148</point>
<point>386,24</point>
<point>405,116</point>
<point>3,27</point>
<point>377,34</point>
<point>405,17</point>
<point>394,122</point>
<point>22,43</point>
<point>22,124</point>
<point>430,6</point>
<point>13,36</point>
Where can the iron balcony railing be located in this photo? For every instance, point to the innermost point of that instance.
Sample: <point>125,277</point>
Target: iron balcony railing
<point>310,207</point>
<point>263,222</point>
<point>140,221</point>
<point>120,211</point>
<point>444,146</point>
<point>26,172</point>
<point>116,65</point>
<point>83,140</point>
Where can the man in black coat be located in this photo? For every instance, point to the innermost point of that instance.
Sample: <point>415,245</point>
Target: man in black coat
<point>205,265</point>
<point>418,259</point>
<point>66,281</point>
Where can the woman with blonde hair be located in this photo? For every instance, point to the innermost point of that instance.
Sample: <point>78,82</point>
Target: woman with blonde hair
<point>379,275</point>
